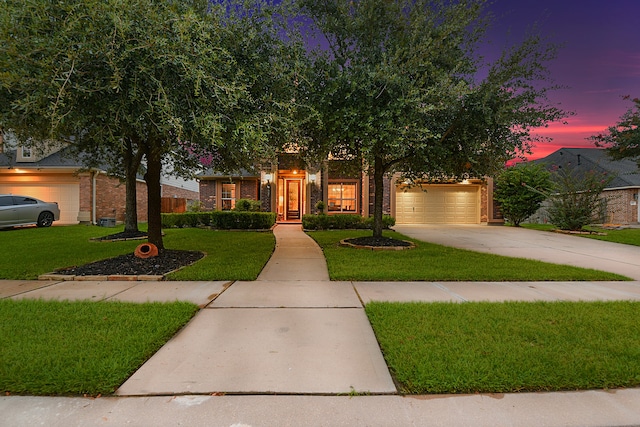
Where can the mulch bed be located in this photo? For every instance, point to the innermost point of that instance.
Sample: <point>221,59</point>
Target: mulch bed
<point>167,260</point>
<point>377,243</point>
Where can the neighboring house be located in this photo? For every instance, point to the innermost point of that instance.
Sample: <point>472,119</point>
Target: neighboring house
<point>621,194</point>
<point>84,196</point>
<point>291,189</point>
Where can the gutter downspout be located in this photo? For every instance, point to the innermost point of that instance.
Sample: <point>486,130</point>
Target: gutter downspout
<point>93,197</point>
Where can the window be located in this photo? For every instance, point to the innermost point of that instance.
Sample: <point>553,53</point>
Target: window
<point>26,152</point>
<point>342,197</point>
<point>23,201</point>
<point>228,196</point>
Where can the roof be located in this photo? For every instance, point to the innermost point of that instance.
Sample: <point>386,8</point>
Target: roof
<point>626,171</point>
<point>58,159</point>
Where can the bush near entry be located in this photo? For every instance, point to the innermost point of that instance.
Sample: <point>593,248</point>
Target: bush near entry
<point>220,220</point>
<point>343,222</point>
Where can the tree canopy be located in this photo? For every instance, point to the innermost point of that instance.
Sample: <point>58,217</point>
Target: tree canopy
<point>402,88</point>
<point>148,81</point>
<point>521,189</point>
<point>622,140</point>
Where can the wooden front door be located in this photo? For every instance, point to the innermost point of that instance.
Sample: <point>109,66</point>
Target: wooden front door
<point>294,199</point>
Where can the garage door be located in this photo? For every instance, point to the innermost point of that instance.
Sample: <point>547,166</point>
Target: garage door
<point>67,196</point>
<point>446,204</point>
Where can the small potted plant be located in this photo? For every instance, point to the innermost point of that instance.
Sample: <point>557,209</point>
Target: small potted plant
<point>320,207</point>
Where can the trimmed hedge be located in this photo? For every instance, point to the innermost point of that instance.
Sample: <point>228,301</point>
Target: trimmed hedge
<point>221,220</point>
<point>343,222</point>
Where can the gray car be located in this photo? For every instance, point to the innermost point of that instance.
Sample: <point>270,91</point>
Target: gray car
<point>24,210</point>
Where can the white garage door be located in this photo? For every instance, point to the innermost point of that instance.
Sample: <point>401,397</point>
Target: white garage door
<point>446,204</point>
<point>67,196</point>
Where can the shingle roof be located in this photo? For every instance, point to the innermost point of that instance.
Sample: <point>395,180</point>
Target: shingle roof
<point>626,171</point>
<point>60,158</point>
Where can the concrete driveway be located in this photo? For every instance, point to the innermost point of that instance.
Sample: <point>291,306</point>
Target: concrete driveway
<point>540,245</point>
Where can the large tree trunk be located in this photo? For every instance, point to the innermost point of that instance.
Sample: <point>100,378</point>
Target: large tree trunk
<point>132,164</point>
<point>154,193</point>
<point>378,182</point>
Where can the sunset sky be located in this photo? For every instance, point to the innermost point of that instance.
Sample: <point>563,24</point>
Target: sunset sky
<point>599,61</point>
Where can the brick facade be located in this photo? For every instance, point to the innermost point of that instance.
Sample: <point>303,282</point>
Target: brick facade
<point>622,206</point>
<point>210,190</point>
<point>208,194</point>
<point>180,193</point>
<point>111,197</point>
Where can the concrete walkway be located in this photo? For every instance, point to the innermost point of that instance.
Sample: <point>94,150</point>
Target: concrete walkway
<point>293,348</point>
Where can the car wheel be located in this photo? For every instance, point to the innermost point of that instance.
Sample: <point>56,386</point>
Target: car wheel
<point>45,219</point>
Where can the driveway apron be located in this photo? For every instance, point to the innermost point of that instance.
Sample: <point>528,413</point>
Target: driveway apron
<point>292,332</point>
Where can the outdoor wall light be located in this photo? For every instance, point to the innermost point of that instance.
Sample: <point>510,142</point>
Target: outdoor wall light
<point>267,179</point>
<point>312,178</point>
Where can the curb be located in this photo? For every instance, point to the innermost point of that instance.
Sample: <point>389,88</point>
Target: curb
<point>110,278</point>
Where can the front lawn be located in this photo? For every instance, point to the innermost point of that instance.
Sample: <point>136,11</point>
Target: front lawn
<point>432,262</point>
<point>27,253</point>
<point>509,347</point>
<point>76,348</point>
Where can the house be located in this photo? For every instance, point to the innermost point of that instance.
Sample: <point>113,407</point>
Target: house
<point>83,195</point>
<point>291,189</point>
<point>621,194</point>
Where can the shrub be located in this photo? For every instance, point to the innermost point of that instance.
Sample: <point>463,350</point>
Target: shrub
<point>223,220</point>
<point>247,205</point>
<point>521,189</point>
<point>576,200</point>
<point>342,222</point>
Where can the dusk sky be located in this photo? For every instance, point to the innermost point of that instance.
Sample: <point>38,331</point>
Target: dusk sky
<point>599,61</point>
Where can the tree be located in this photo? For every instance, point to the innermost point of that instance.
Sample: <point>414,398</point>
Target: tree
<point>622,140</point>
<point>575,199</point>
<point>521,189</point>
<point>401,89</point>
<point>146,83</point>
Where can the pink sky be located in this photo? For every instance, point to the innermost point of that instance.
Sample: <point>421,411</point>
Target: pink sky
<point>599,60</point>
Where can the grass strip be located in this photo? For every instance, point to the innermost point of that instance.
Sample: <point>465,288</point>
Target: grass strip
<point>432,262</point>
<point>627,236</point>
<point>509,347</point>
<point>78,348</point>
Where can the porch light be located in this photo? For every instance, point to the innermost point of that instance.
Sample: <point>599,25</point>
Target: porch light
<point>267,178</point>
<point>295,172</point>
<point>312,178</point>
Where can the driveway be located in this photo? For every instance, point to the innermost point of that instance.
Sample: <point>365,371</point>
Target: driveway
<point>522,243</point>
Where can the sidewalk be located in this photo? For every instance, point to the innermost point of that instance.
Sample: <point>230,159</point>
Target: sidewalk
<point>294,348</point>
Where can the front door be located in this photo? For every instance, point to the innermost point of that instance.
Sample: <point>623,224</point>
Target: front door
<point>294,199</point>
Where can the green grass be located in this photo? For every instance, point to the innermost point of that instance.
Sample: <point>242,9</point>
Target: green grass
<point>231,255</point>
<point>509,347</point>
<point>27,253</point>
<point>627,236</point>
<point>431,262</point>
<point>76,348</point>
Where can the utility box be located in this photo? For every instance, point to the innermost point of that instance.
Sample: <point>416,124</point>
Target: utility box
<point>107,222</point>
